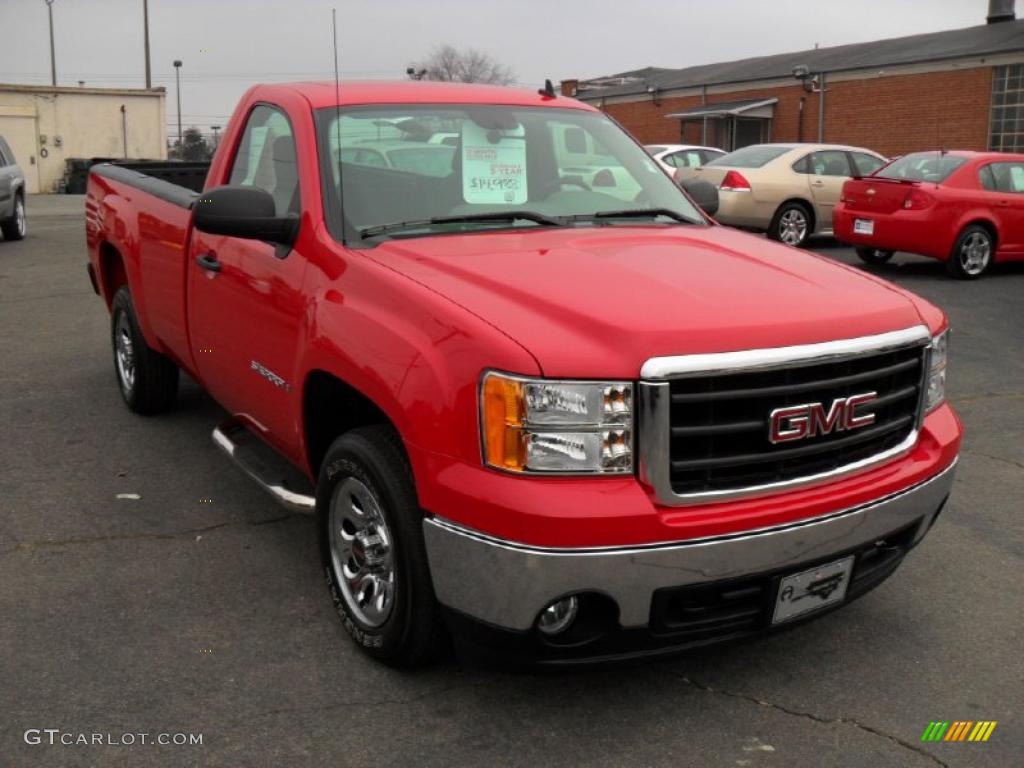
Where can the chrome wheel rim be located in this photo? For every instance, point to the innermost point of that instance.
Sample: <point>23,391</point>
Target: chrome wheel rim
<point>362,553</point>
<point>19,217</point>
<point>124,351</point>
<point>975,253</point>
<point>793,227</point>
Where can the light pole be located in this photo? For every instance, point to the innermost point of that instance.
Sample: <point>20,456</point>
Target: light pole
<point>53,55</point>
<point>216,138</point>
<point>145,24</point>
<point>177,83</point>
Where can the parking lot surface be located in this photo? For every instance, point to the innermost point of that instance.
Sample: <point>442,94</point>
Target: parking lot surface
<point>147,586</point>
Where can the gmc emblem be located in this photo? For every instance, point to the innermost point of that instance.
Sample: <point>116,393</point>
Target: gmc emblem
<point>795,422</point>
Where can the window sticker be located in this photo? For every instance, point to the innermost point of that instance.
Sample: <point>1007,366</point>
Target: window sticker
<point>493,164</point>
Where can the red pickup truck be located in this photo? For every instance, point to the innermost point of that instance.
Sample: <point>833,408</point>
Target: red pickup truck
<point>537,400</point>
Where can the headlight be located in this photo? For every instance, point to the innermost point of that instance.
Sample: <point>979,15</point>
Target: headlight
<point>548,426</point>
<point>935,393</point>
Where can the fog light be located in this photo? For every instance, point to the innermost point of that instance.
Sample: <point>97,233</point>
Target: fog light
<point>558,616</point>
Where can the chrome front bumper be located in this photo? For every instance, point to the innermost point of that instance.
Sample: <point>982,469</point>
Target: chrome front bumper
<point>506,584</point>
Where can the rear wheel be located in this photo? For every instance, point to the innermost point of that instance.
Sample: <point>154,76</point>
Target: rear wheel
<point>874,256</point>
<point>16,227</point>
<point>791,224</point>
<point>148,381</point>
<point>972,253</point>
<point>372,550</point>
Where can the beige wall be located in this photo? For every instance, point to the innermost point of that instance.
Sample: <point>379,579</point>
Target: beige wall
<point>46,126</point>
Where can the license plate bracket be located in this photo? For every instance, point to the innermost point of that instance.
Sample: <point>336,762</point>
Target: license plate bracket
<point>805,592</point>
<point>863,227</point>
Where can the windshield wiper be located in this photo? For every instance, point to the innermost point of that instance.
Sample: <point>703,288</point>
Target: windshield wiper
<point>634,213</point>
<point>497,216</point>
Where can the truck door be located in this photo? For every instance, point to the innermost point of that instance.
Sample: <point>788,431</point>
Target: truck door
<point>829,169</point>
<point>245,295</point>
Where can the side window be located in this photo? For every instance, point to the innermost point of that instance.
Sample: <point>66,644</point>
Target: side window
<point>575,141</point>
<point>1009,177</point>
<point>689,158</point>
<point>988,181</point>
<point>803,165</point>
<point>6,158</point>
<point>266,158</point>
<point>865,164</point>
<point>709,156</point>
<point>829,162</point>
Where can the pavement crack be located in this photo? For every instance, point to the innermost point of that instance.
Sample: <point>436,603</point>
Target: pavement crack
<point>36,544</point>
<point>1003,459</point>
<point>816,718</point>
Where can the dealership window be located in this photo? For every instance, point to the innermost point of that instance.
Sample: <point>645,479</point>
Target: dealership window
<point>1007,131</point>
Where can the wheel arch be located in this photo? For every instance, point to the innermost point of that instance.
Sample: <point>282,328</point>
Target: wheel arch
<point>113,273</point>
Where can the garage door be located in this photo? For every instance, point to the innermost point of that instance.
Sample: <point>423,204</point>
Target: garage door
<point>20,133</point>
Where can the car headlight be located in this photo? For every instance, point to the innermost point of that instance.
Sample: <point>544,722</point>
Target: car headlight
<point>935,393</point>
<point>549,426</point>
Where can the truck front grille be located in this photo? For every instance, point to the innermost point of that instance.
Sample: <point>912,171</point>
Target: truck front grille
<point>719,424</point>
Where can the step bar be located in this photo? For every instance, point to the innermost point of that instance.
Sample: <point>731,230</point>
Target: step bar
<point>276,475</point>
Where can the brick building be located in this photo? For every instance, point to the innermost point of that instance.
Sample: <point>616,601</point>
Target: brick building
<point>959,89</point>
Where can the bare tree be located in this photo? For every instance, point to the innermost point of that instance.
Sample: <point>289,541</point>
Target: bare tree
<point>448,64</point>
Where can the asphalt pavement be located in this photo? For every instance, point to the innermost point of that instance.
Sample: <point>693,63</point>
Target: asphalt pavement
<point>147,586</point>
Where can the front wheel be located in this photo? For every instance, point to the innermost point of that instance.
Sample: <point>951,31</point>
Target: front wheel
<point>791,225</point>
<point>972,253</point>
<point>873,256</point>
<point>16,227</point>
<point>148,381</point>
<point>372,550</point>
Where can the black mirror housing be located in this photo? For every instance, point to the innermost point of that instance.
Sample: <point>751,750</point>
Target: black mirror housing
<point>247,212</point>
<point>703,193</point>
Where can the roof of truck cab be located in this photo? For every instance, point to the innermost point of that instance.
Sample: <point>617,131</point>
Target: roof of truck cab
<point>361,92</point>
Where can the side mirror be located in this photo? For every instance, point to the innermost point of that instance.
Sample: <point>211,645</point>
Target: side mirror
<point>247,212</point>
<point>703,193</point>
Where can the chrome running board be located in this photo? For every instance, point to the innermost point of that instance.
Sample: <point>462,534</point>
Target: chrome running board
<point>260,462</point>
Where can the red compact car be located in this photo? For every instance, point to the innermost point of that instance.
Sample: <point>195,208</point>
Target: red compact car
<point>964,208</point>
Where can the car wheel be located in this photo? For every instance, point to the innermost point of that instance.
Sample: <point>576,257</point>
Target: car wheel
<point>874,256</point>
<point>972,253</point>
<point>16,227</point>
<point>372,550</point>
<point>791,224</point>
<point>148,381</point>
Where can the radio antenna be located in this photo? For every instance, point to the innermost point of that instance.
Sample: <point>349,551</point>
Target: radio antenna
<point>337,121</point>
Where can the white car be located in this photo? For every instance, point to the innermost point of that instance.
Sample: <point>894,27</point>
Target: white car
<point>672,156</point>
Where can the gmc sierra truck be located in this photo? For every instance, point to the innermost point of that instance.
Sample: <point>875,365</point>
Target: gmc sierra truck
<point>536,398</point>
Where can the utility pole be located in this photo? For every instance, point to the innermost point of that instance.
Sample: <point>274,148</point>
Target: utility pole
<point>216,138</point>
<point>177,82</point>
<point>53,55</point>
<point>145,24</point>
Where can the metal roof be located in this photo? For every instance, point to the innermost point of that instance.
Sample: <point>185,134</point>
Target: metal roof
<point>987,39</point>
<point>726,108</point>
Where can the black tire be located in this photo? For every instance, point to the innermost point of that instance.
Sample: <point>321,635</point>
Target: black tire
<point>785,228</point>
<point>16,227</point>
<point>873,256</point>
<point>152,386</point>
<point>411,634</point>
<point>964,263</point>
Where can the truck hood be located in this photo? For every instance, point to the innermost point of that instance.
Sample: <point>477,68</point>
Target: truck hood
<point>598,302</point>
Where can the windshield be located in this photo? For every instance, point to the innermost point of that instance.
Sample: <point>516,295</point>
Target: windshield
<point>750,157</point>
<point>557,167</point>
<point>922,166</point>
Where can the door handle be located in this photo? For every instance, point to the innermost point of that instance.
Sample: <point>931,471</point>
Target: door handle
<point>817,183</point>
<point>208,262</point>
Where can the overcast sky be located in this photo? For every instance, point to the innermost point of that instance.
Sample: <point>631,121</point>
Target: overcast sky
<point>228,44</point>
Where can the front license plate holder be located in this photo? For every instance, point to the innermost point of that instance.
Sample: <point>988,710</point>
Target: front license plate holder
<point>863,227</point>
<point>808,591</point>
